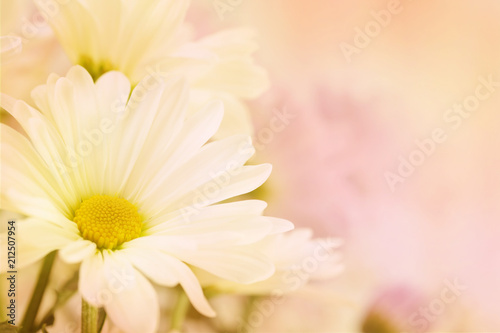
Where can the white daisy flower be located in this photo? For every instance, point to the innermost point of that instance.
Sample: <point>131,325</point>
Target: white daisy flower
<point>129,187</point>
<point>148,38</point>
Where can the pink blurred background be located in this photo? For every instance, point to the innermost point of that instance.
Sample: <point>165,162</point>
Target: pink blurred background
<point>351,118</point>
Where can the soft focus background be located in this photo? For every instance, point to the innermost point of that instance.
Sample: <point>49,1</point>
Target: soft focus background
<point>359,91</point>
<point>353,118</point>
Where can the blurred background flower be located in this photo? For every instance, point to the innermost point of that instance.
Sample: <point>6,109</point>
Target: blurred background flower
<point>30,51</point>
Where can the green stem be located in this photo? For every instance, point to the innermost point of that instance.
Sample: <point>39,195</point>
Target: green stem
<point>101,319</point>
<point>90,318</point>
<point>180,311</point>
<point>36,299</point>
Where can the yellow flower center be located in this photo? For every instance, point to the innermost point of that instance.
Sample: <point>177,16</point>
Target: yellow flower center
<point>108,221</point>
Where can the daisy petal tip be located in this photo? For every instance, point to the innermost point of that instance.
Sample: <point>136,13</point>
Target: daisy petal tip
<point>281,226</point>
<point>7,102</point>
<point>216,107</point>
<point>211,314</point>
<point>268,168</point>
<point>111,76</point>
<point>77,251</point>
<point>214,110</point>
<point>271,269</point>
<point>78,71</point>
<point>79,77</point>
<point>206,310</point>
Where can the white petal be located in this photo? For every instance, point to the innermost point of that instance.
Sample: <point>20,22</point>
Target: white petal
<point>166,126</point>
<point>236,76</point>
<point>241,181</point>
<point>211,167</point>
<point>36,238</point>
<point>73,25</point>
<point>231,43</point>
<point>134,305</point>
<point>42,95</point>
<point>7,102</point>
<point>165,243</point>
<point>77,251</point>
<point>197,130</point>
<point>192,287</point>
<point>279,225</point>
<point>113,90</point>
<point>17,200</point>
<point>227,210</point>
<point>234,72</point>
<point>166,270</point>
<point>112,87</point>
<point>76,95</point>
<point>236,223</point>
<point>47,142</point>
<point>156,23</point>
<point>25,172</point>
<point>242,265</point>
<point>153,264</point>
<point>92,283</point>
<point>144,123</point>
<point>237,117</point>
